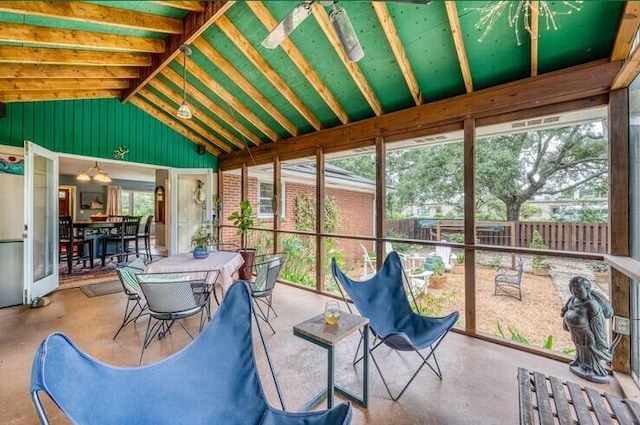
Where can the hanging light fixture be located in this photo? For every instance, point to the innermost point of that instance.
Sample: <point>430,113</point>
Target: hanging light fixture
<point>183,110</point>
<point>100,175</point>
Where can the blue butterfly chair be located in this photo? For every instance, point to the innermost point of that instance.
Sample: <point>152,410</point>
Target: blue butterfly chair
<point>383,300</point>
<point>213,380</point>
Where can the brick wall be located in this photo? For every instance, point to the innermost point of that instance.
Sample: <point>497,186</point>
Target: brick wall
<point>355,211</point>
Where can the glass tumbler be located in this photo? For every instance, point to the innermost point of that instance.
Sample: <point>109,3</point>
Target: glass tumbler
<point>331,313</point>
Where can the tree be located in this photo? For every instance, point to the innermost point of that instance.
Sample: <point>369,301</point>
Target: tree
<point>510,170</point>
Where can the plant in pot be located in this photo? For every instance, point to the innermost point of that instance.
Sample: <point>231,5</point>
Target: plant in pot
<point>600,271</point>
<point>438,278</point>
<point>243,220</point>
<point>540,266</point>
<point>201,240</point>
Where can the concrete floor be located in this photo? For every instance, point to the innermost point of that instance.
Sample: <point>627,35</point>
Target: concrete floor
<point>478,387</point>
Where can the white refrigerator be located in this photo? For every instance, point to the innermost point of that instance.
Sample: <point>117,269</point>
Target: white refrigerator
<point>11,223</point>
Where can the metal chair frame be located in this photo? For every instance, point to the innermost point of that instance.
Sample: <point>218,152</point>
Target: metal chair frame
<point>398,340</point>
<point>136,304</point>
<point>266,269</point>
<point>508,281</point>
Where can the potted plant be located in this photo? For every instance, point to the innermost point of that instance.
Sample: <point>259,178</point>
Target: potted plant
<point>200,241</point>
<point>458,267</point>
<point>540,266</point>
<point>600,271</point>
<point>243,220</point>
<point>438,278</point>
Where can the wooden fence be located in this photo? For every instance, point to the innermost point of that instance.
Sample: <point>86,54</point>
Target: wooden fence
<point>562,236</point>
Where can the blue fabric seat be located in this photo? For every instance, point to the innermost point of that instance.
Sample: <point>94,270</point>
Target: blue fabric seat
<point>383,300</point>
<point>213,380</point>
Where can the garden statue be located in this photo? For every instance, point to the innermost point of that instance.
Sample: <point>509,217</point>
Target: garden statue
<point>585,315</point>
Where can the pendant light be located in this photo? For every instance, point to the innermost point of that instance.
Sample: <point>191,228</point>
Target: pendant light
<point>183,110</point>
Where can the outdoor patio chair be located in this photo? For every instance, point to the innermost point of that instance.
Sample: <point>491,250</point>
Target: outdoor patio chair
<point>136,305</point>
<point>266,268</point>
<point>213,380</point>
<point>172,297</point>
<point>368,263</point>
<point>508,281</point>
<point>444,252</point>
<point>383,300</point>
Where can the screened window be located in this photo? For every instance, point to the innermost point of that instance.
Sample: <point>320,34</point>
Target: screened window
<point>265,199</point>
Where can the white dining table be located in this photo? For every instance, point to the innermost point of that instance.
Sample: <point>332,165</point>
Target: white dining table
<point>226,262</point>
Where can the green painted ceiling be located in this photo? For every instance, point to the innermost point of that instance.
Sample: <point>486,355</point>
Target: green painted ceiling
<point>423,30</point>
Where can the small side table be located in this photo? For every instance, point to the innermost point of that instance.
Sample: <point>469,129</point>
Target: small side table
<point>316,331</point>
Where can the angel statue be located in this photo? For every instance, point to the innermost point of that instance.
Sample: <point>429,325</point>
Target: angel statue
<point>585,315</point>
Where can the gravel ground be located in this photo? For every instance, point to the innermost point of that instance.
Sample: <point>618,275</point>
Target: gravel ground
<point>535,317</point>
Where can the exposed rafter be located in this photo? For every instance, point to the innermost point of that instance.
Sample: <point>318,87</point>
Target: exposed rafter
<point>44,55</point>
<point>21,33</point>
<point>398,51</point>
<point>192,123</point>
<point>629,71</point>
<point>535,15</point>
<point>209,104</point>
<point>44,84</point>
<point>195,24</point>
<point>241,81</point>
<point>195,6</point>
<point>32,96</point>
<point>87,12</point>
<point>458,41</point>
<point>269,21</point>
<point>626,31</point>
<point>551,88</point>
<point>323,20</point>
<point>263,66</point>
<point>13,70</point>
<point>164,118</point>
<point>165,90</point>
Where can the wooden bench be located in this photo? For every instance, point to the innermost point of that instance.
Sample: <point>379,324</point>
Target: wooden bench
<point>546,400</point>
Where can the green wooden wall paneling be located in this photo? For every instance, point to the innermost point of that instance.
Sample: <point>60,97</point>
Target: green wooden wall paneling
<point>95,128</point>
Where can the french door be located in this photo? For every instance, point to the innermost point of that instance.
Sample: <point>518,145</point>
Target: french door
<point>41,222</point>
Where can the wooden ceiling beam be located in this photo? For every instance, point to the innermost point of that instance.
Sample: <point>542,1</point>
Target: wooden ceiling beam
<point>43,84</point>
<point>208,103</point>
<point>575,83</point>
<point>198,113</point>
<point>12,70</point>
<point>398,50</point>
<point>458,41</point>
<point>358,77</point>
<point>43,55</point>
<point>22,33</point>
<point>95,14</point>
<point>190,123</point>
<point>269,73</point>
<point>33,96</point>
<point>629,71</point>
<point>170,122</point>
<point>195,6</point>
<point>195,23</point>
<point>535,15</point>
<point>241,81</point>
<point>269,21</point>
<point>626,31</point>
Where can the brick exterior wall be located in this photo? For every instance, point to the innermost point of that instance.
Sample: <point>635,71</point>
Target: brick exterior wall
<point>355,211</point>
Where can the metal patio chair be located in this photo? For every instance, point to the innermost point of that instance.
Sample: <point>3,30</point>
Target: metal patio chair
<point>508,281</point>
<point>136,305</point>
<point>266,268</point>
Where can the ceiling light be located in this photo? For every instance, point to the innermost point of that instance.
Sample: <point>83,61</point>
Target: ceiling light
<point>523,10</point>
<point>183,110</point>
<point>101,176</point>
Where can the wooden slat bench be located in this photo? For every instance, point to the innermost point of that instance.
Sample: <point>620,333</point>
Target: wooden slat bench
<point>545,400</point>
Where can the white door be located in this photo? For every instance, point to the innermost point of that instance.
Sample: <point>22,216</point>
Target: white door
<point>41,222</point>
<point>190,200</point>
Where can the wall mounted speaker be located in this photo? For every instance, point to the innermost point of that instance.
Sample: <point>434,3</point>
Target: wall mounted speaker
<point>201,150</point>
